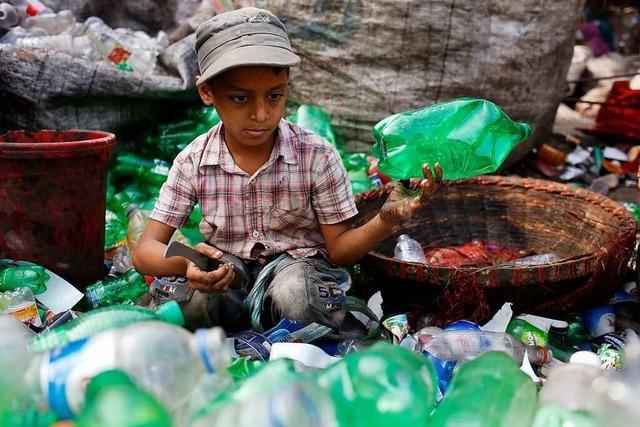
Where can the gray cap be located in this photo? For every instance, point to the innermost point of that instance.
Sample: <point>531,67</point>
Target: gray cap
<point>247,36</point>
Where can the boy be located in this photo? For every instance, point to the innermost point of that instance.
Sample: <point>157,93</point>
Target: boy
<point>275,198</point>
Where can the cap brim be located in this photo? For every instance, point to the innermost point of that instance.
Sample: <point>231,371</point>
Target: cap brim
<point>250,55</point>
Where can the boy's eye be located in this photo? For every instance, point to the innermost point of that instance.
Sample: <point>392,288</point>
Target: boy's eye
<point>240,98</point>
<point>274,96</point>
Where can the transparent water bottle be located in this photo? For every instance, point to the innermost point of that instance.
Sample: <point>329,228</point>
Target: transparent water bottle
<point>463,345</point>
<point>408,249</point>
<point>50,24</point>
<point>166,360</point>
<point>9,16</point>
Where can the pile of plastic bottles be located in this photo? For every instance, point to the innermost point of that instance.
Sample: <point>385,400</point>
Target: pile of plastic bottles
<point>32,25</point>
<point>125,365</point>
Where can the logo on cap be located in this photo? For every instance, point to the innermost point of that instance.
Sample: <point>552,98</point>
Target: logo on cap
<point>259,18</point>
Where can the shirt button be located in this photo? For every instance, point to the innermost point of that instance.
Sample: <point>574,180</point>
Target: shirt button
<point>255,234</point>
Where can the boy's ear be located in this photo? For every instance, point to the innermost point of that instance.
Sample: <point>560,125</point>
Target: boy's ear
<point>206,94</point>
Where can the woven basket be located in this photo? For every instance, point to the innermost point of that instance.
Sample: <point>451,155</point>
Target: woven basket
<point>593,235</point>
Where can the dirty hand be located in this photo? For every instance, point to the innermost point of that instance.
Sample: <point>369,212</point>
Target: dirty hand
<point>403,202</point>
<point>216,281</point>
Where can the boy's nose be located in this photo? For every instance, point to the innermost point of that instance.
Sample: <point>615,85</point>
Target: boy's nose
<point>259,112</point>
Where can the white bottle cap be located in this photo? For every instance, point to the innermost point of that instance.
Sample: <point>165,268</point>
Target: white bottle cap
<point>585,357</point>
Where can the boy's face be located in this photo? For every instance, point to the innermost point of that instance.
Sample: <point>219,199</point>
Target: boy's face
<point>250,101</point>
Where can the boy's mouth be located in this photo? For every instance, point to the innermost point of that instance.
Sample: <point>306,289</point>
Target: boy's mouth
<point>256,133</point>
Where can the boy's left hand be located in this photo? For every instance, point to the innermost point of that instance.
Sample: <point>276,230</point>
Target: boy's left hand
<point>402,202</point>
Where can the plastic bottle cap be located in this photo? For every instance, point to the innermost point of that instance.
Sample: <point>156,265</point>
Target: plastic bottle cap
<point>585,357</point>
<point>131,208</point>
<point>170,312</point>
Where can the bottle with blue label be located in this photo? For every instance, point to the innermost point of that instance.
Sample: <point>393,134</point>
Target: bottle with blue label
<point>165,360</point>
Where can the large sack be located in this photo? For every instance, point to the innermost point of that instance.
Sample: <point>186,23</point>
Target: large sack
<point>50,89</point>
<point>364,59</point>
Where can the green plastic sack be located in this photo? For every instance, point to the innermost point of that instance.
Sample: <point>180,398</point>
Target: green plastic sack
<point>383,386</point>
<point>489,391</point>
<point>467,136</point>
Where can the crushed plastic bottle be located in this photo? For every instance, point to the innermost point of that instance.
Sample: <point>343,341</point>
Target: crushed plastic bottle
<point>489,391</point>
<point>103,319</point>
<point>408,249</point>
<point>463,345</point>
<point>165,360</point>
<point>113,400</point>
<point>468,137</point>
<point>173,288</point>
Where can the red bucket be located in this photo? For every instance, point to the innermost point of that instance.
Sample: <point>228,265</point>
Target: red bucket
<point>52,200</point>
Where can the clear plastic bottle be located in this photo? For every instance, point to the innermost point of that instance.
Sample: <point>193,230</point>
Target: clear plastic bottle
<point>138,220</point>
<point>619,391</point>
<point>567,397</point>
<point>103,319</point>
<point>50,23</point>
<point>408,249</point>
<point>166,360</point>
<point>463,345</point>
<point>9,16</point>
<point>20,304</point>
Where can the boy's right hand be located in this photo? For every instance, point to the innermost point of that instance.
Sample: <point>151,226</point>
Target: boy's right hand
<point>216,281</point>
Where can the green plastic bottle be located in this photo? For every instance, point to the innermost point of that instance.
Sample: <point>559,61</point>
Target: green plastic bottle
<point>114,230</point>
<point>103,319</point>
<point>489,391</point>
<point>467,136</point>
<point>116,290</point>
<point>21,274</point>
<point>113,400</point>
<point>313,118</point>
<point>151,171</point>
<point>531,335</point>
<point>384,385</point>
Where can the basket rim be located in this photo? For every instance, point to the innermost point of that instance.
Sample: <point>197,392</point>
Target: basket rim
<point>577,264</point>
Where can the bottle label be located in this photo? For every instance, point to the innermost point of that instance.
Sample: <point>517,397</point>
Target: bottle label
<point>27,312</point>
<point>67,371</point>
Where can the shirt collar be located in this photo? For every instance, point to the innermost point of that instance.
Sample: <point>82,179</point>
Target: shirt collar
<point>216,155</point>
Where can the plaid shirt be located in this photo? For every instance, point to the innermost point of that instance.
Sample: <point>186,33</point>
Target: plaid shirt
<point>278,209</point>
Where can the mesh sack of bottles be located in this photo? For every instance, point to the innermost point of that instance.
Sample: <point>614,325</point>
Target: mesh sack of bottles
<point>592,235</point>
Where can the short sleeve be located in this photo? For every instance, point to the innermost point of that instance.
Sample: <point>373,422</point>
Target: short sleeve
<point>177,195</point>
<point>332,197</point>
